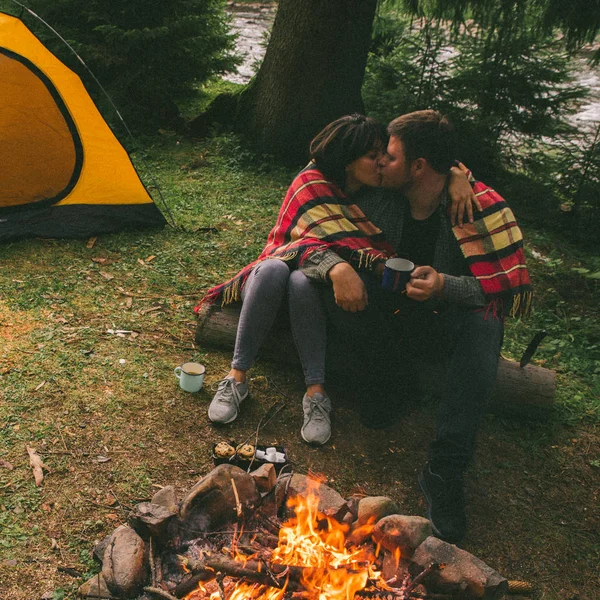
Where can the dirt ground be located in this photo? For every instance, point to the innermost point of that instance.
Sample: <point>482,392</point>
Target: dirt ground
<point>533,496</point>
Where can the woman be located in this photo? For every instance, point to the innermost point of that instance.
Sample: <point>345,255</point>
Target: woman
<point>316,214</point>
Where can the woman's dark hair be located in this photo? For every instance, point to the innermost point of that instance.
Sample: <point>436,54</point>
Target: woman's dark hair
<point>343,141</point>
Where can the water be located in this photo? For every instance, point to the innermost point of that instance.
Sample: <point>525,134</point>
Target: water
<point>252,22</point>
<point>588,115</point>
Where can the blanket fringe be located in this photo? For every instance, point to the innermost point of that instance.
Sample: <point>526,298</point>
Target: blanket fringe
<point>521,305</point>
<point>367,260</point>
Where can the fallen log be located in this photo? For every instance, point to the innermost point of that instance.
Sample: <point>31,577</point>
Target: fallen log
<point>525,391</point>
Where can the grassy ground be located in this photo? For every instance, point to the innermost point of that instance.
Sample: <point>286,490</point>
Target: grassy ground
<point>106,415</point>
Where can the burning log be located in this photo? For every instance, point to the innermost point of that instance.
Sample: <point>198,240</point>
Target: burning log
<point>257,571</point>
<point>525,390</point>
<point>270,574</point>
<point>189,585</point>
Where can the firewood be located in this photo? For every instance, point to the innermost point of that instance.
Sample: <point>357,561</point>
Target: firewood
<point>253,570</point>
<point>160,593</point>
<point>423,575</point>
<point>189,585</point>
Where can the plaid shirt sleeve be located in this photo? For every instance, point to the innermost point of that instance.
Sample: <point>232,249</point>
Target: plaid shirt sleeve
<point>317,266</point>
<point>463,290</point>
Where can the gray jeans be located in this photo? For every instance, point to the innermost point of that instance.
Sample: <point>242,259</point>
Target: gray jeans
<point>269,284</point>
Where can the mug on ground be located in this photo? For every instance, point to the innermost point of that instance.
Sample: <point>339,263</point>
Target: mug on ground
<point>191,376</point>
<point>397,274</point>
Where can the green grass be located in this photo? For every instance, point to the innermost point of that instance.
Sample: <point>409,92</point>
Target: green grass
<point>76,392</point>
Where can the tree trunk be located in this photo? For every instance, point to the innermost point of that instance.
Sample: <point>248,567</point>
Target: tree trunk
<point>527,391</point>
<point>312,73</point>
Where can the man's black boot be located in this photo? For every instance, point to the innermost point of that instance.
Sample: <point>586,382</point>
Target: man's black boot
<point>446,503</point>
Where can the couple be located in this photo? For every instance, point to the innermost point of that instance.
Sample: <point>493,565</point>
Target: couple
<point>326,255</point>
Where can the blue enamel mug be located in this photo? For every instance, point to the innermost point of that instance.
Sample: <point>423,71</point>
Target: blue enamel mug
<point>397,274</point>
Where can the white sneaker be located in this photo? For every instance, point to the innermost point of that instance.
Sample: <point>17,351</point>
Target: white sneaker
<point>317,420</point>
<point>225,405</point>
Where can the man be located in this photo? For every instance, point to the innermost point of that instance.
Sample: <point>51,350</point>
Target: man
<point>466,280</point>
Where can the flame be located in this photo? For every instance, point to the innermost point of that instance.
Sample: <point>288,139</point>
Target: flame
<point>317,544</point>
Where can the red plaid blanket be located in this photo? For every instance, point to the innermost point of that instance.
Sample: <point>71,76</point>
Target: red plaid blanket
<point>493,248</point>
<point>315,215</point>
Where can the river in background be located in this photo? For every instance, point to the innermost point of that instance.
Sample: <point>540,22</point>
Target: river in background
<point>252,23</point>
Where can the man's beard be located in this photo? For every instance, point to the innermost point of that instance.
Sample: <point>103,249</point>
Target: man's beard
<point>403,187</point>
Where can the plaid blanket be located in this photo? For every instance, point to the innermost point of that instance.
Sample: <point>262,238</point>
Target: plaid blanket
<point>493,248</point>
<point>315,215</point>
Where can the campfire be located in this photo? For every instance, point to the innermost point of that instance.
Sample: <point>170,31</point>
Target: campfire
<point>263,536</point>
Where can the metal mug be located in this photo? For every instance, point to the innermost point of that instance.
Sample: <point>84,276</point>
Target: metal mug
<point>191,376</point>
<point>397,274</point>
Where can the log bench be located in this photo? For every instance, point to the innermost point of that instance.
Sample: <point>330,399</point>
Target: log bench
<point>525,391</point>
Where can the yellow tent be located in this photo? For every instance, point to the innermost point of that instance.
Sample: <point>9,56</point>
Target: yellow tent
<point>62,171</point>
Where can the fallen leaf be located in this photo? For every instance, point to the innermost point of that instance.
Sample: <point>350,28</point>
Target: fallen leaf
<point>54,544</point>
<point>103,459</point>
<point>37,465</point>
<point>6,464</point>
<point>141,262</point>
<point>112,517</point>
<point>129,302</point>
<point>40,386</point>
<point>11,562</point>
<point>150,258</point>
<point>91,242</point>
<point>106,275</point>
<point>99,260</point>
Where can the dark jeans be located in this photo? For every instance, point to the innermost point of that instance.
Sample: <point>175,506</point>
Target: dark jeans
<point>394,335</point>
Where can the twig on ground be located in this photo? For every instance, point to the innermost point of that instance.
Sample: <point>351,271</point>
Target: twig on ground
<point>63,439</point>
<point>69,571</point>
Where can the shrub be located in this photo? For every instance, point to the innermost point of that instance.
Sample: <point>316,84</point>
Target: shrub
<point>148,53</point>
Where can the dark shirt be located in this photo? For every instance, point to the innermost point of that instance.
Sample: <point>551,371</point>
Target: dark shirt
<point>419,238</point>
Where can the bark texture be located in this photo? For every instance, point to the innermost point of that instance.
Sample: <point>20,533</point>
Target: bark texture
<point>312,73</point>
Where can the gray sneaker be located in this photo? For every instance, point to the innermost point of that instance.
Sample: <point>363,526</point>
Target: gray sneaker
<point>317,422</point>
<point>225,405</point>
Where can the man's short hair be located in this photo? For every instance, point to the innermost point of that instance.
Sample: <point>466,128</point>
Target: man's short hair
<point>426,134</point>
